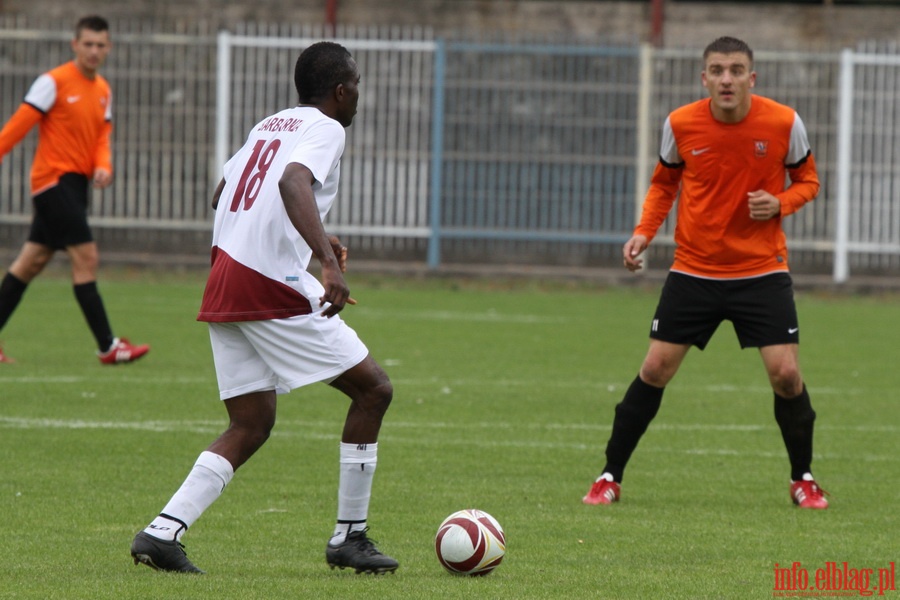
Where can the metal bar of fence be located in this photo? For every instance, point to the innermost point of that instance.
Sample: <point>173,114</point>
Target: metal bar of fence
<point>644,166</point>
<point>437,159</point>
<point>844,157</point>
<point>487,157</point>
<point>463,233</point>
<point>503,190</point>
<point>226,42</point>
<point>847,110</point>
<point>223,99</point>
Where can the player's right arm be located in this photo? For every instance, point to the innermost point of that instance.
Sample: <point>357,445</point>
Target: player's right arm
<point>103,170</point>
<point>631,252</point>
<point>659,199</point>
<point>299,200</point>
<point>38,101</point>
<point>657,204</point>
<point>18,126</point>
<point>664,185</point>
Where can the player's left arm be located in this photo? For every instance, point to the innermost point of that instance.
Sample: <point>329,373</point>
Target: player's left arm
<point>218,193</point>
<point>340,251</point>
<point>103,157</point>
<point>804,185</point>
<point>804,179</point>
<point>299,200</point>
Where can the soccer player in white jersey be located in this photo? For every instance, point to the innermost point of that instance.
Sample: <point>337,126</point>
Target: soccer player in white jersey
<point>273,326</point>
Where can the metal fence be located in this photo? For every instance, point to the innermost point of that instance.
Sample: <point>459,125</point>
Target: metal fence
<point>499,152</point>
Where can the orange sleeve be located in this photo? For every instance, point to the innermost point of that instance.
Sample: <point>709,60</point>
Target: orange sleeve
<point>18,127</point>
<point>804,187</point>
<point>103,156</point>
<point>660,197</point>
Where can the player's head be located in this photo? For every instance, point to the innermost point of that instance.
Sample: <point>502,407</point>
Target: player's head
<point>91,44</point>
<point>327,76</point>
<point>728,76</point>
<point>91,23</point>
<point>729,45</point>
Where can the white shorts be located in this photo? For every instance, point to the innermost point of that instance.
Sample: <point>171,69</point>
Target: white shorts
<point>282,354</point>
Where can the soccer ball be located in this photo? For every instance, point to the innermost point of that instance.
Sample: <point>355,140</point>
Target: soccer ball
<point>470,542</point>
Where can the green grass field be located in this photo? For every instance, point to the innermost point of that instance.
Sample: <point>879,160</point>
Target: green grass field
<point>504,397</point>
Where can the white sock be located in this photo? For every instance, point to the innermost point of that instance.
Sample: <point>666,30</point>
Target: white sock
<point>203,485</point>
<point>606,476</point>
<point>358,462</point>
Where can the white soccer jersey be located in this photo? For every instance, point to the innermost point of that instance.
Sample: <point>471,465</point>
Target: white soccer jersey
<point>259,260</point>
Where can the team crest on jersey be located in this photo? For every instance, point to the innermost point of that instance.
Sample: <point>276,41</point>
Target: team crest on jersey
<point>761,148</point>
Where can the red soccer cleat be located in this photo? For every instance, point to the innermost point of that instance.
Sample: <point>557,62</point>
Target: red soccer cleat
<point>808,494</point>
<point>5,359</point>
<point>603,492</point>
<point>122,352</point>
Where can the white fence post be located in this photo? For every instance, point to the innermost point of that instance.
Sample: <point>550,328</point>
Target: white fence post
<point>643,163</point>
<point>517,162</point>
<point>223,101</point>
<point>437,155</point>
<point>844,168</point>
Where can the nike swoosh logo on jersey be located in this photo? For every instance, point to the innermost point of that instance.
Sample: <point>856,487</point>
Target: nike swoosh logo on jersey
<point>699,152</point>
<point>793,330</point>
<point>73,99</point>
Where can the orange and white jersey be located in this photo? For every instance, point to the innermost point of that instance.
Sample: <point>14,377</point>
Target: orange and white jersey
<point>715,165</point>
<point>74,115</point>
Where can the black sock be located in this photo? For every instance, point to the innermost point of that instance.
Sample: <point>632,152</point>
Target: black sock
<point>92,306</point>
<point>795,417</point>
<point>633,415</point>
<point>11,290</point>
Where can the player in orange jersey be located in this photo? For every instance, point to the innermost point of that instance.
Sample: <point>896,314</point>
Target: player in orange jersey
<point>728,156</point>
<point>72,106</point>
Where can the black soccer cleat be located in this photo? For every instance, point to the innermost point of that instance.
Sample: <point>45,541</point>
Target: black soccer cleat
<point>161,555</point>
<point>359,552</point>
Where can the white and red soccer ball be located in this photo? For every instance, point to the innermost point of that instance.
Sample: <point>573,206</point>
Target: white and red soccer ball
<point>470,542</point>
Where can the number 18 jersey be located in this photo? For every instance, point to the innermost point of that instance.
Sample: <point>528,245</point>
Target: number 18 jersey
<point>259,260</point>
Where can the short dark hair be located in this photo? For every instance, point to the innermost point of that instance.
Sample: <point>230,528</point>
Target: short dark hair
<point>92,22</point>
<point>320,68</point>
<point>728,45</point>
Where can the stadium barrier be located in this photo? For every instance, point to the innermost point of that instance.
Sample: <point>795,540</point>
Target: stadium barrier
<point>491,152</point>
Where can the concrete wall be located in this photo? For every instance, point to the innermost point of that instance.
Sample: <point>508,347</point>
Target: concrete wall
<point>687,24</point>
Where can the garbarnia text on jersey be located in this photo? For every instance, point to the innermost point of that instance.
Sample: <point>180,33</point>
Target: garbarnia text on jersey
<point>276,124</point>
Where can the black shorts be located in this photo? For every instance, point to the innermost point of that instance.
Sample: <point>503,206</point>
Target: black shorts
<point>60,214</point>
<point>761,309</point>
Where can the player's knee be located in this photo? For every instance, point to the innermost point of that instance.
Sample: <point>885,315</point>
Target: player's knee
<point>86,268</point>
<point>657,372</point>
<point>786,381</point>
<point>254,432</point>
<point>26,270</point>
<point>378,398</point>
<point>255,438</point>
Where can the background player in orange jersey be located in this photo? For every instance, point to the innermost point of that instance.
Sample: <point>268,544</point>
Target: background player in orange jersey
<point>727,155</point>
<point>72,105</point>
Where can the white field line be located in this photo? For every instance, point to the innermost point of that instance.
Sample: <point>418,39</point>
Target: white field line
<point>330,431</point>
<point>154,426</point>
<point>109,379</point>
<point>446,386</point>
<point>441,386</point>
<point>10,422</point>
